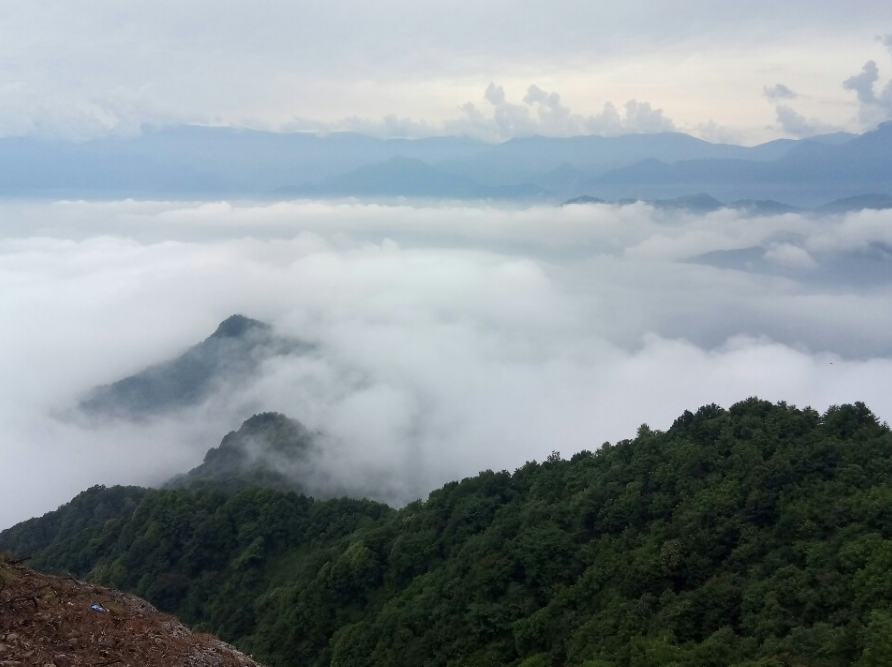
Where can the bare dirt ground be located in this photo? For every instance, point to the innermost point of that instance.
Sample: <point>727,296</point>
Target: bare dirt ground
<point>50,621</point>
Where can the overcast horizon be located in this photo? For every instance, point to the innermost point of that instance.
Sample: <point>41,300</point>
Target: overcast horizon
<point>718,70</point>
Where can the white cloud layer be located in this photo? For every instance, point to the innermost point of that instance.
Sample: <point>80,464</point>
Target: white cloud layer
<point>450,338</point>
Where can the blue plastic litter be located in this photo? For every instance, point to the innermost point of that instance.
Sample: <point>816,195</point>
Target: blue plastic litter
<point>97,607</point>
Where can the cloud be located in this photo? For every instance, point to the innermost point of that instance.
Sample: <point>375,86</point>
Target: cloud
<point>717,133</point>
<point>449,338</point>
<point>549,108</point>
<point>862,84</point>
<point>779,92</point>
<point>856,233</point>
<point>186,61</point>
<point>795,124</point>
<point>540,112</point>
<point>873,108</point>
<point>641,117</point>
<point>26,111</point>
<point>790,256</point>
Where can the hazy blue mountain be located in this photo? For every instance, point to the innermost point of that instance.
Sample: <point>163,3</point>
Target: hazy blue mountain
<point>584,199</point>
<point>741,259</point>
<point>858,203</point>
<point>564,178</point>
<point>546,160</point>
<point>520,191</point>
<point>654,171</point>
<point>809,173</point>
<point>231,355</point>
<point>38,167</point>
<point>705,203</point>
<point>263,161</point>
<point>190,161</point>
<point>762,207</point>
<point>863,160</point>
<point>409,177</point>
<point>398,176</point>
<point>700,203</point>
<point>835,138</point>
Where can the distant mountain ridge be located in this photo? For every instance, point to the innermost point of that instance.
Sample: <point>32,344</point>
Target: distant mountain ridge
<point>871,202</point>
<point>705,203</point>
<point>200,162</point>
<point>809,173</point>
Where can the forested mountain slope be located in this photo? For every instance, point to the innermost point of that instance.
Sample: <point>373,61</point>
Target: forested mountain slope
<point>269,450</point>
<point>753,536</point>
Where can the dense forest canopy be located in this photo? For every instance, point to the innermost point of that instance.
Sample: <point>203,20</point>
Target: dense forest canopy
<point>753,536</point>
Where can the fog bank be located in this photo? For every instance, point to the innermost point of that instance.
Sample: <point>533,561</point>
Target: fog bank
<point>448,339</point>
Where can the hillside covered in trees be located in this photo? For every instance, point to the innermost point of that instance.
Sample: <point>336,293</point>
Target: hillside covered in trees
<point>757,536</point>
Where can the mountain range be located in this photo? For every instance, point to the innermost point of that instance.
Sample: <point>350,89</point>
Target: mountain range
<point>203,162</point>
<point>705,203</point>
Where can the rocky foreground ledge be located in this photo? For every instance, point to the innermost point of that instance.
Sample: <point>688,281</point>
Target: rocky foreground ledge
<point>48,621</point>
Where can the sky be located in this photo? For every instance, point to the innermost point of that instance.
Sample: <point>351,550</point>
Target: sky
<point>448,338</point>
<point>743,72</point>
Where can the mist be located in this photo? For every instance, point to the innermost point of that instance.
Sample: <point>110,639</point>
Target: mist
<point>446,338</point>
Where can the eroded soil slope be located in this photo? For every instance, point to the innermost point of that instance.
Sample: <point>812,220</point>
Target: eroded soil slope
<point>50,621</point>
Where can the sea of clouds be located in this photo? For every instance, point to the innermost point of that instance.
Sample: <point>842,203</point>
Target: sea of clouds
<point>448,338</point>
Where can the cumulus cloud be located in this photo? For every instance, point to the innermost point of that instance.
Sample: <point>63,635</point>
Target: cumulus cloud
<point>862,83</point>
<point>642,117</point>
<point>540,112</point>
<point>717,133</point>
<point>449,339</point>
<point>779,92</point>
<point>795,124</point>
<point>873,107</point>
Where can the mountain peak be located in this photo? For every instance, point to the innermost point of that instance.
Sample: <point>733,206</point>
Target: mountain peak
<point>269,449</point>
<point>230,356</point>
<point>236,326</point>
